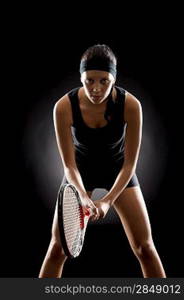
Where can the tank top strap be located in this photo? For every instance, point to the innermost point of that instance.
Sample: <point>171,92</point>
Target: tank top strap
<point>120,104</point>
<point>73,96</point>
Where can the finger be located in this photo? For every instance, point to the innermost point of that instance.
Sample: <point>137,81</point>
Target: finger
<point>90,211</point>
<point>93,210</point>
<point>96,216</point>
<point>93,214</point>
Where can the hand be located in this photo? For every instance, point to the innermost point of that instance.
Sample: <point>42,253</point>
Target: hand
<point>89,207</point>
<point>103,207</point>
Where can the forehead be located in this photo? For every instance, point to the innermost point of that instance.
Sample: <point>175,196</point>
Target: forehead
<point>96,74</point>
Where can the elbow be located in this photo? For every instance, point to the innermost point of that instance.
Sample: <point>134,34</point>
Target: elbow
<point>69,166</point>
<point>130,163</point>
<point>130,168</point>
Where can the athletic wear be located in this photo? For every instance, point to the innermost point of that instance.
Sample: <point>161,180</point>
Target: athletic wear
<point>99,152</point>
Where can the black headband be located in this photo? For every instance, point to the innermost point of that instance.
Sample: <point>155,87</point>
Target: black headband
<point>98,64</point>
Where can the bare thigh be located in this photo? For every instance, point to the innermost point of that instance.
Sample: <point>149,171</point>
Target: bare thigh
<point>133,214</point>
<point>55,227</point>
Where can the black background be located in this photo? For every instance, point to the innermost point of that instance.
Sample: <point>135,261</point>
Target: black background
<point>40,50</point>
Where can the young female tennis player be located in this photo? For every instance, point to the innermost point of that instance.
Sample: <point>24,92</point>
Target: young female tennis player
<point>98,130</point>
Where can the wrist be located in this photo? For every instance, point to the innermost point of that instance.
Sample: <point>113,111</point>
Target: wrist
<point>83,195</point>
<point>107,199</point>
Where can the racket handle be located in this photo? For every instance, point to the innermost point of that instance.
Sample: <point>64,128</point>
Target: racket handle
<point>88,212</point>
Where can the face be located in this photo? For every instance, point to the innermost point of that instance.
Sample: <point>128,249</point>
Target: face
<point>97,85</point>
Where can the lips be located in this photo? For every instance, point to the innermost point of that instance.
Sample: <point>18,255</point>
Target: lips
<point>95,96</point>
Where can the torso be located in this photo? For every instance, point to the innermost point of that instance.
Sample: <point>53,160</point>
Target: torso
<point>93,115</point>
<point>91,133</point>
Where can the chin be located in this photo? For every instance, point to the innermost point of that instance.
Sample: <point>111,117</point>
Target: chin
<point>98,101</point>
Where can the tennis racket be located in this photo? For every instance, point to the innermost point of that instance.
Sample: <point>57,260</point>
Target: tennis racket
<point>72,220</point>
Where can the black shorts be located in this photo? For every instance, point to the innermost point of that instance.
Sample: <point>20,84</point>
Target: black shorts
<point>102,182</point>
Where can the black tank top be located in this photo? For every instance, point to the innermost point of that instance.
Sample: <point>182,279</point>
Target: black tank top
<point>103,145</point>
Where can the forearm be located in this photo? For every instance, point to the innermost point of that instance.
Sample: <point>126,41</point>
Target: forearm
<point>120,184</point>
<point>73,176</point>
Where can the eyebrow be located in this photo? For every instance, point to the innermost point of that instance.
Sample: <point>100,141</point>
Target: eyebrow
<point>102,78</point>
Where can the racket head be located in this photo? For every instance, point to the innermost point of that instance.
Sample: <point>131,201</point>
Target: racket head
<point>71,219</point>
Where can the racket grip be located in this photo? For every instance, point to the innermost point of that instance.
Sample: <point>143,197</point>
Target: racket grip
<point>87,212</point>
<point>85,216</point>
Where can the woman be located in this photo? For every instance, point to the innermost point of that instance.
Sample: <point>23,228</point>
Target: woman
<point>98,130</point>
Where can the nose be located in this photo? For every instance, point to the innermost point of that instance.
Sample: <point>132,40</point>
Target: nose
<point>96,88</point>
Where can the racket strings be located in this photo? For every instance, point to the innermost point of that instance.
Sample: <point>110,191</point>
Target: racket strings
<point>72,220</point>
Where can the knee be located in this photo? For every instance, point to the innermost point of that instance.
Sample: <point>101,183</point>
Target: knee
<point>56,252</point>
<point>144,250</point>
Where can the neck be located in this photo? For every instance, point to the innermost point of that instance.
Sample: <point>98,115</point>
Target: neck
<point>85,99</point>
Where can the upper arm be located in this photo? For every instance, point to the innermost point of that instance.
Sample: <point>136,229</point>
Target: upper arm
<point>62,124</point>
<point>133,119</point>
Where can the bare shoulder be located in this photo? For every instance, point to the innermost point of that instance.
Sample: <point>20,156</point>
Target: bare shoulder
<point>133,107</point>
<point>62,104</point>
<point>131,102</point>
<point>62,109</point>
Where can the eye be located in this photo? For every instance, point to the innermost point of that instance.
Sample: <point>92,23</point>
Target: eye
<point>89,81</point>
<point>105,81</point>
